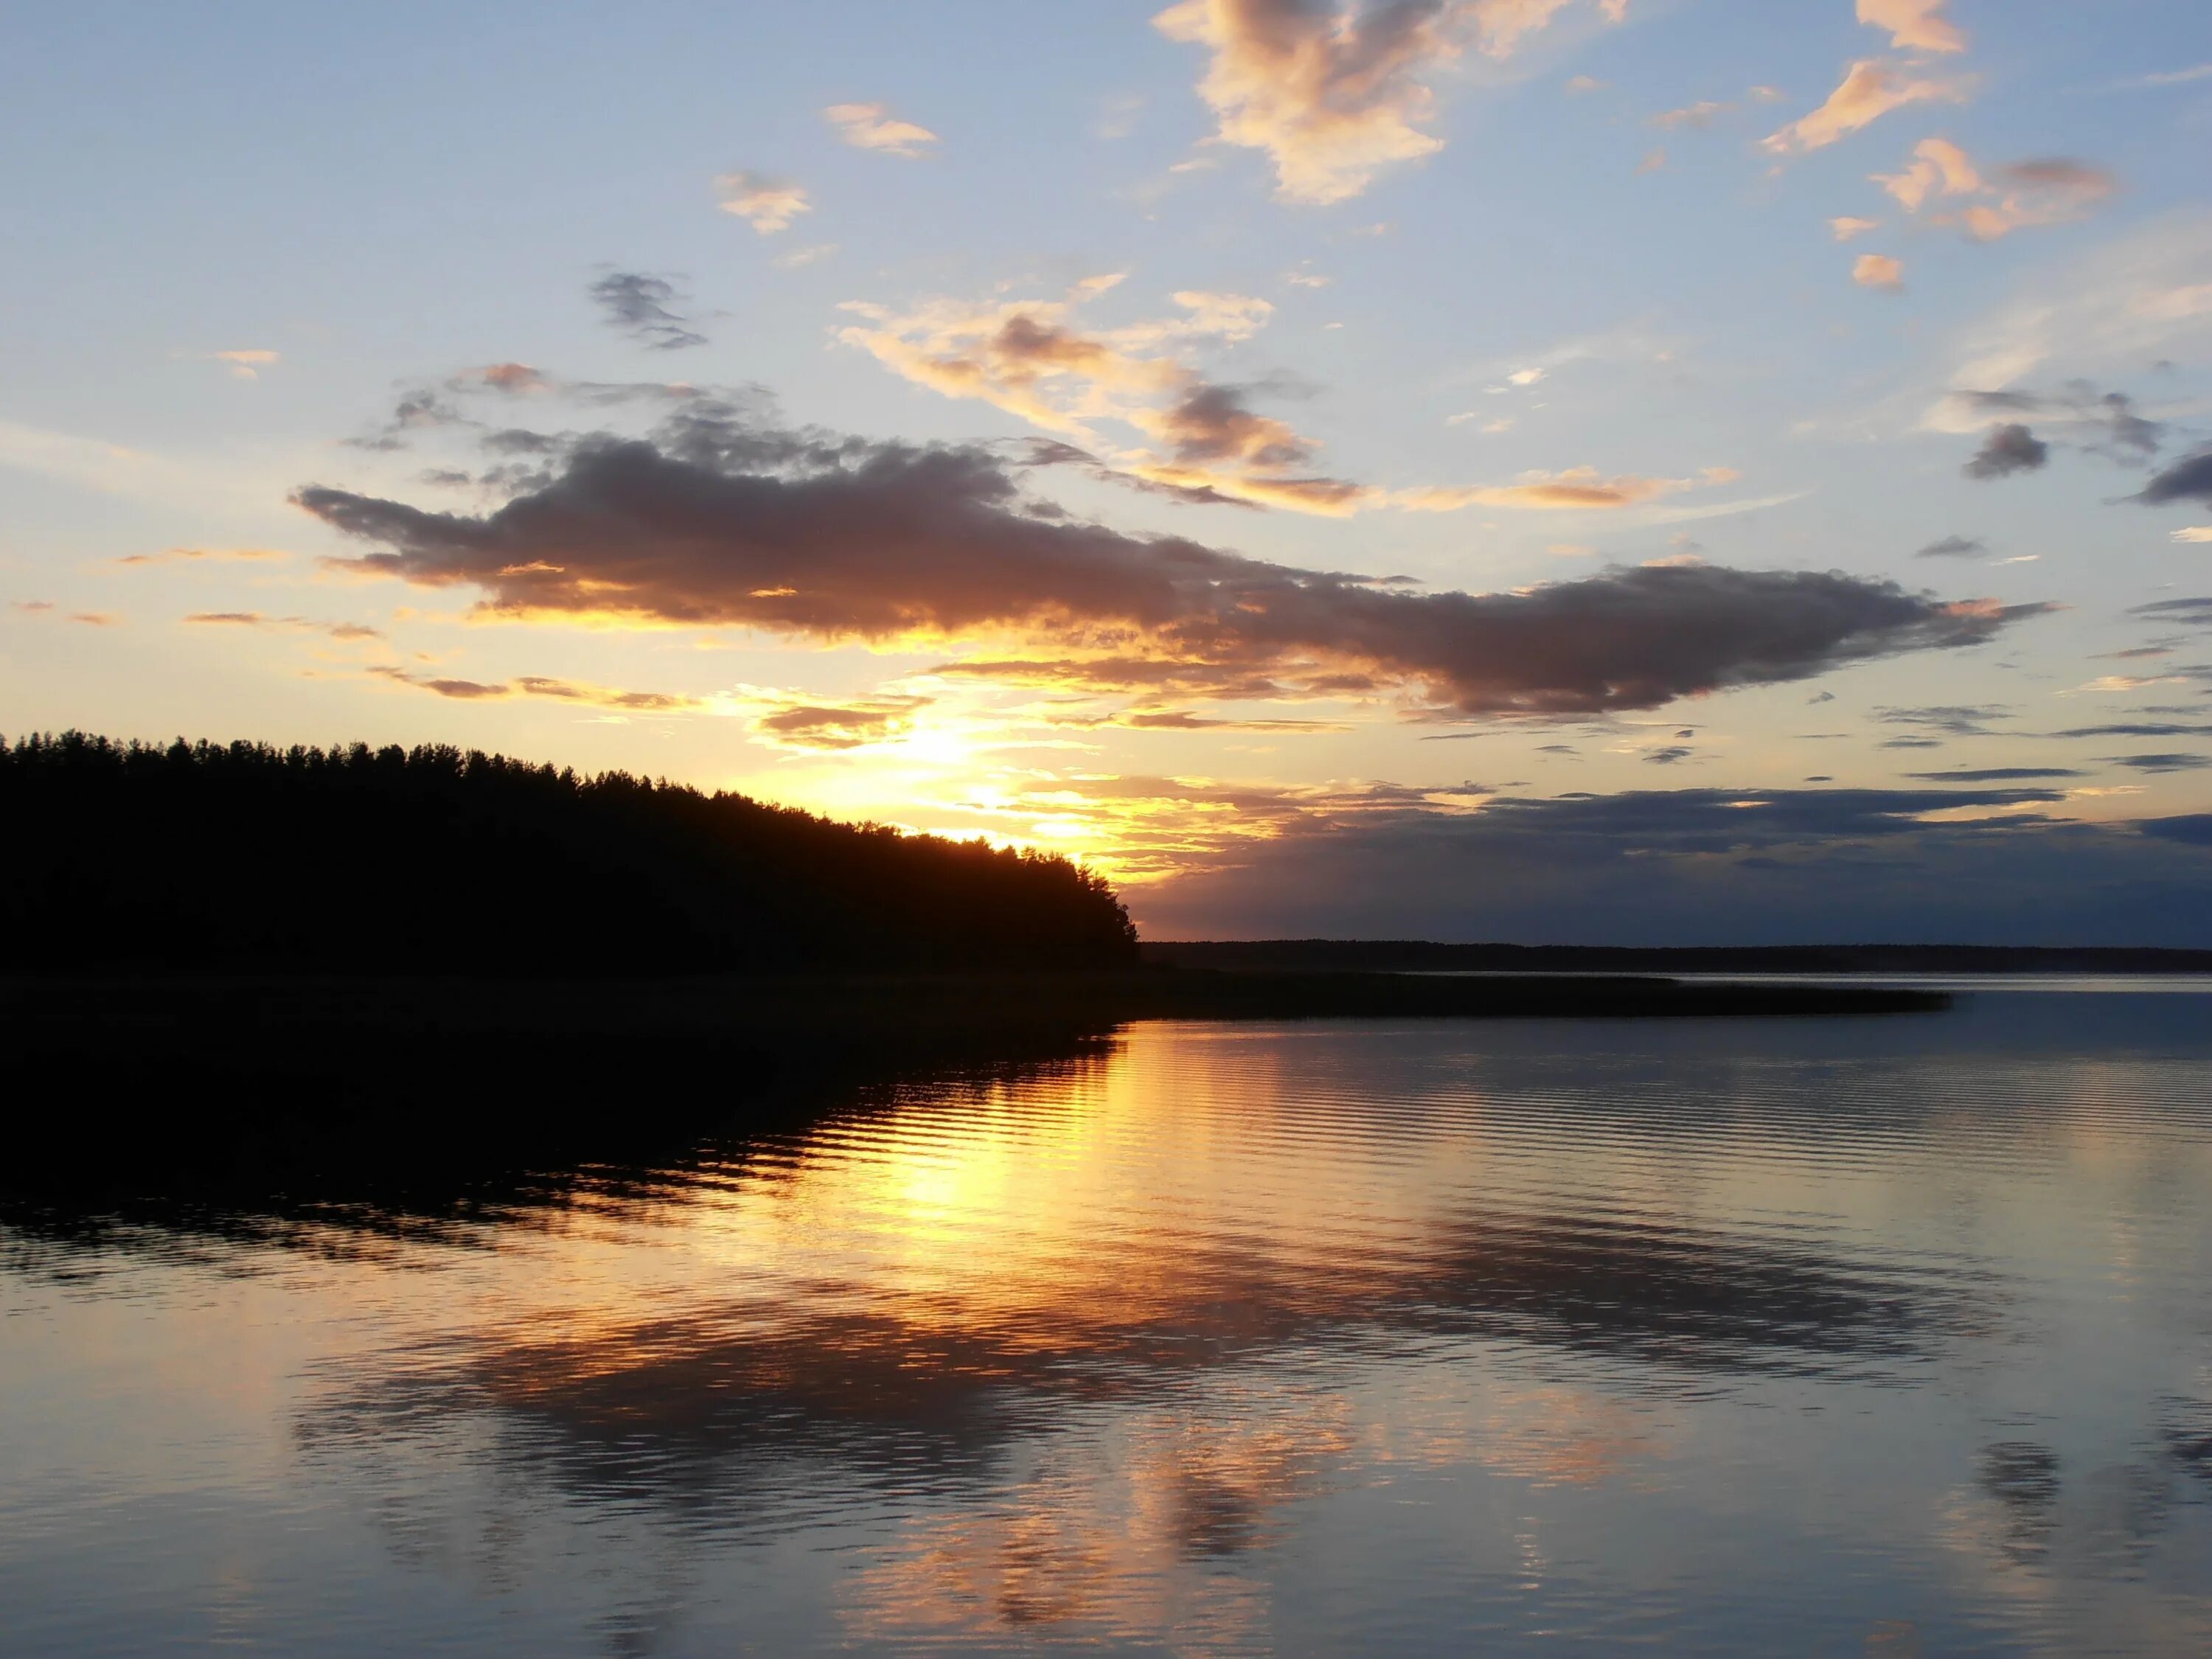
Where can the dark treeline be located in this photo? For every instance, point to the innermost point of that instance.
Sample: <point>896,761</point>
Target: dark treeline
<point>212,858</point>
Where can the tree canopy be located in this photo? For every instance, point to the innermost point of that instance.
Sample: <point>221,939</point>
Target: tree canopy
<point>245,857</point>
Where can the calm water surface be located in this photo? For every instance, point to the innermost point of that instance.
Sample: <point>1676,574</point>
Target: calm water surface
<point>1852,1337</point>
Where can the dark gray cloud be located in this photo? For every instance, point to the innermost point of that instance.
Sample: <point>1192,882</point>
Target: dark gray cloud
<point>2137,729</point>
<point>722,519</point>
<point>1958,720</point>
<point>639,305</point>
<point>1998,774</point>
<point>2008,449</point>
<point>2102,423</point>
<point>2189,479</point>
<point>1669,757</point>
<point>2163,762</point>
<point>1954,547</point>
<point>1715,866</point>
<point>2190,613</point>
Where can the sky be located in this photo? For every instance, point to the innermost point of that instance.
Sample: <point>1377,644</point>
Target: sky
<point>1564,470</point>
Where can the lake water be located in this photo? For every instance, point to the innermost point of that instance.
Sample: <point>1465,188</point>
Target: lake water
<point>1885,1337</point>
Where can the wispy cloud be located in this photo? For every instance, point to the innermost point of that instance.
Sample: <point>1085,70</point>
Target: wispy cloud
<point>194,555</point>
<point>871,126</point>
<point>246,363</point>
<point>1871,88</point>
<point>1202,438</point>
<point>531,685</point>
<point>768,206</point>
<point>336,630</point>
<point>640,305</point>
<point>1914,24</point>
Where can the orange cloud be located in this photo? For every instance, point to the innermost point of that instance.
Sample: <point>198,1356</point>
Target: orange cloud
<point>1578,488</point>
<point>2038,192</point>
<point>1878,270</point>
<point>1938,167</point>
<point>1914,24</point>
<point>1870,89</point>
<point>531,685</point>
<point>1333,95</point>
<point>1031,359</point>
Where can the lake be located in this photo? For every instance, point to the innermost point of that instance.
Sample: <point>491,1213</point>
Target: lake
<point>1887,1336</point>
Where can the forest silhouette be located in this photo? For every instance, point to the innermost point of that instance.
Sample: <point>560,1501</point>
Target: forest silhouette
<point>202,857</point>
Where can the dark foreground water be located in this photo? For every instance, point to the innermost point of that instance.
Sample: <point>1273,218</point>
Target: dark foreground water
<point>1884,1337</point>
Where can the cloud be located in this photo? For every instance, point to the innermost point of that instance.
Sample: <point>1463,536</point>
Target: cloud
<point>721,521</point>
<point>2186,611</point>
<point>1998,774</point>
<point>767,204</point>
<point>341,630</point>
<point>2189,479</point>
<point>1878,270</point>
<point>2007,449</point>
<point>2194,533</point>
<point>45,607</point>
<point>188,554</point>
<point>2163,763</point>
<point>244,365</point>
<point>1577,489</point>
<point>800,258</point>
<point>1954,547</point>
<point>1333,94</point>
<point>1205,442</point>
<point>2049,191</point>
<point>1939,167</point>
<point>637,305</point>
<point>1845,228</point>
<point>785,723</point>
<point>2139,297</point>
<point>2101,422</point>
<point>870,126</point>
<point>1699,115</point>
<point>2165,78</point>
<point>1870,89</point>
<point>530,685</point>
<point>1913,24</point>
<point>2138,729</point>
<point>1954,719</point>
<point>1928,863</point>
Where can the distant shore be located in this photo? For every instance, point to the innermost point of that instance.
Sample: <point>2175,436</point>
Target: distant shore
<point>1422,956</point>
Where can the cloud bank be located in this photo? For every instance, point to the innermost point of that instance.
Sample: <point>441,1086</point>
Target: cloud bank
<point>722,520</point>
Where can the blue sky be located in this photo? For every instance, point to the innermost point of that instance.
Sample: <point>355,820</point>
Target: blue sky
<point>1595,317</point>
